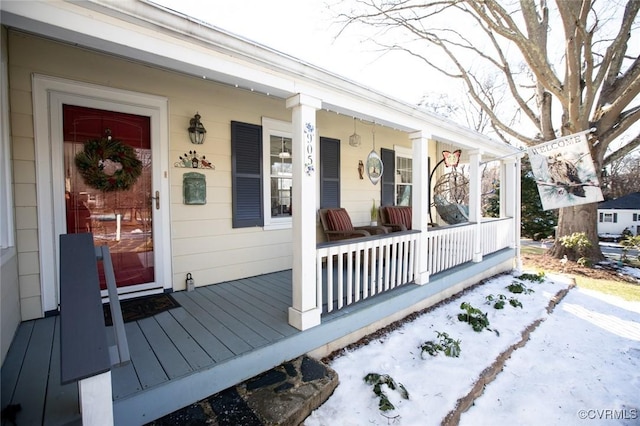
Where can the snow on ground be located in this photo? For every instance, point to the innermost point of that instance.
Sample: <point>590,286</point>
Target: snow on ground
<point>584,356</point>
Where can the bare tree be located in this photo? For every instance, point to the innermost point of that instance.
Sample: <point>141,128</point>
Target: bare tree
<point>566,66</point>
<point>622,176</point>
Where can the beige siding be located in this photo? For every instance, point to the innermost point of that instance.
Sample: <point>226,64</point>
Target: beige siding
<point>203,240</point>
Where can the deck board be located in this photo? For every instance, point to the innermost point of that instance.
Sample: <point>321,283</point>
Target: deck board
<point>61,399</point>
<point>212,303</point>
<point>169,356</point>
<point>31,387</point>
<point>267,292</point>
<point>149,371</point>
<point>210,343</point>
<point>256,314</point>
<point>12,365</point>
<point>212,324</point>
<point>277,315</point>
<point>186,345</point>
<point>124,381</point>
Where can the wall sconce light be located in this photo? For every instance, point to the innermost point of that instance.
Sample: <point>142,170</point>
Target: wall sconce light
<point>197,132</point>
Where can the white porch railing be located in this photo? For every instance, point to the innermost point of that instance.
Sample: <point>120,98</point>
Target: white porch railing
<point>352,270</point>
<point>449,247</point>
<point>496,234</point>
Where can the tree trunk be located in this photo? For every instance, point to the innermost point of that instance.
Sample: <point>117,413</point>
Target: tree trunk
<point>582,218</point>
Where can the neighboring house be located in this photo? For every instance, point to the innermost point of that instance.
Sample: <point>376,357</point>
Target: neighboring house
<point>616,216</point>
<point>276,150</point>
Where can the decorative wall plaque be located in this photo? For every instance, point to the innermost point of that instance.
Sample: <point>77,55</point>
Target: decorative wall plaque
<point>375,168</point>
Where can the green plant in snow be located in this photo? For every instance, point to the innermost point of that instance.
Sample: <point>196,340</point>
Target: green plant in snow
<point>538,278</point>
<point>515,302</point>
<point>377,380</point>
<point>446,344</point>
<point>516,287</point>
<point>474,317</point>
<point>500,300</point>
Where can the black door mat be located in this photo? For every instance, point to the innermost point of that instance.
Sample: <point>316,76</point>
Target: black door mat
<point>141,307</point>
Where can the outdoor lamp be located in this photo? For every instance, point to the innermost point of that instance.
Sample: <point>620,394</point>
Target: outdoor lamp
<point>197,132</point>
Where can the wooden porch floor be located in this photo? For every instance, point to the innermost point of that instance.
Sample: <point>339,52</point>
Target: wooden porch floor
<point>219,336</point>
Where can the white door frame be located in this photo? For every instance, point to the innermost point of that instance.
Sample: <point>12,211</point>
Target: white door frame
<point>49,94</point>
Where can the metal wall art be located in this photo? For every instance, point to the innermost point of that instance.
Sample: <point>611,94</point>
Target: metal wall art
<point>375,168</point>
<point>193,160</point>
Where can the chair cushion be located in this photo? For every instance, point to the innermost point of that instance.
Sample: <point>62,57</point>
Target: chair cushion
<point>400,215</point>
<point>339,220</point>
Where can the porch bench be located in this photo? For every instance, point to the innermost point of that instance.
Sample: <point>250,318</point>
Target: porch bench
<point>84,351</point>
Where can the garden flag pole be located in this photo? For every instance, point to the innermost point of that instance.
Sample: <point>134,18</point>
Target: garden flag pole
<point>564,172</point>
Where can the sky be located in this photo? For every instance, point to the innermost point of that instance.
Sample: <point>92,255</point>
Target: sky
<point>581,365</point>
<point>306,29</point>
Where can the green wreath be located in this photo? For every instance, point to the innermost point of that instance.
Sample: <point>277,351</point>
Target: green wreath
<point>90,163</point>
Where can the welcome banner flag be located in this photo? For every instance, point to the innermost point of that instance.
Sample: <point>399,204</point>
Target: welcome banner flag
<point>564,172</point>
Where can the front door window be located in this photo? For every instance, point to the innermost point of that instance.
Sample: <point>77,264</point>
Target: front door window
<point>118,217</point>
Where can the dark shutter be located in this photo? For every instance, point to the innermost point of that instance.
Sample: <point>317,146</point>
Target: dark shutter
<point>601,217</point>
<point>329,173</point>
<point>615,218</point>
<point>246,174</point>
<point>388,187</point>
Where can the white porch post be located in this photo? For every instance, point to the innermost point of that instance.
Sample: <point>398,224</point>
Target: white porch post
<point>420,201</point>
<point>305,312</point>
<point>95,398</point>
<point>475,202</point>
<point>513,202</point>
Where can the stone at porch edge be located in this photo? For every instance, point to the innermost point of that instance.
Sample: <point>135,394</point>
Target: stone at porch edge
<point>284,395</point>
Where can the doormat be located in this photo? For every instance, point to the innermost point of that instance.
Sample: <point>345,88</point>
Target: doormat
<point>141,307</point>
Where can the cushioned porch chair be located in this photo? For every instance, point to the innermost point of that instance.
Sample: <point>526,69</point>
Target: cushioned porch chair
<point>397,218</point>
<point>337,225</point>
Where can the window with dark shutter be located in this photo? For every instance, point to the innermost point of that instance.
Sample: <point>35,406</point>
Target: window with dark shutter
<point>388,186</point>
<point>329,173</point>
<point>246,174</point>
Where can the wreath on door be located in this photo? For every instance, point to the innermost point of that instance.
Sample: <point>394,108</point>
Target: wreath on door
<point>108,165</point>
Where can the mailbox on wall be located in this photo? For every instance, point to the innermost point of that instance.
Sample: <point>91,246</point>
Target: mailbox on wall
<point>194,188</point>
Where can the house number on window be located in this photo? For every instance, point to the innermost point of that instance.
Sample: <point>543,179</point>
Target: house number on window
<point>308,149</point>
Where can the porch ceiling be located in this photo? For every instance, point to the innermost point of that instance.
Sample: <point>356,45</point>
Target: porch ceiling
<point>143,31</point>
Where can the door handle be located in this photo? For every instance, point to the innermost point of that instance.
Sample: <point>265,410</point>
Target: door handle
<point>157,198</point>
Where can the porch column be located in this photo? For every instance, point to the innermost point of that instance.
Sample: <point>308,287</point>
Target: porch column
<point>475,201</point>
<point>305,312</point>
<point>512,202</point>
<point>420,201</point>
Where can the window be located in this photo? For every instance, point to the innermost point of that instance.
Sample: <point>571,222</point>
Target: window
<point>281,176</point>
<point>397,180</point>
<point>403,176</point>
<point>609,217</point>
<point>278,182</point>
<point>635,217</point>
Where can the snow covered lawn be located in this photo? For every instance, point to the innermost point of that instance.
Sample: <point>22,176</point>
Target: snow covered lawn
<point>585,355</point>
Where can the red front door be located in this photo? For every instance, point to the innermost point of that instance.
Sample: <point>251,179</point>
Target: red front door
<point>94,196</point>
